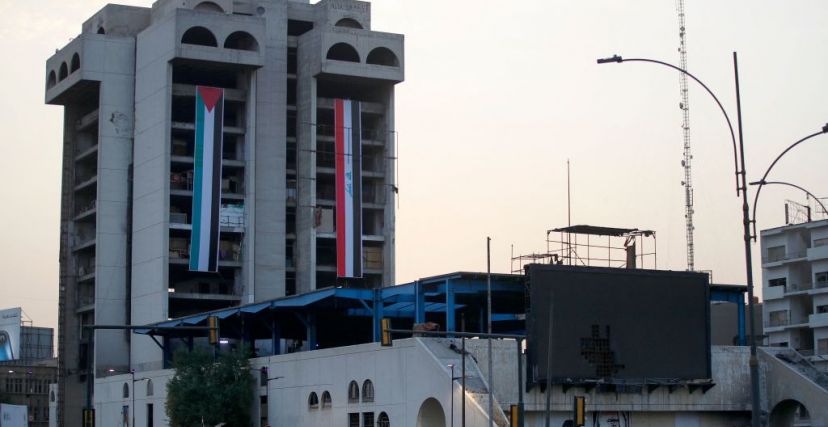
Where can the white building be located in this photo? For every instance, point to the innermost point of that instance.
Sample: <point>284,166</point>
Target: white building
<point>410,385</point>
<point>795,288</point>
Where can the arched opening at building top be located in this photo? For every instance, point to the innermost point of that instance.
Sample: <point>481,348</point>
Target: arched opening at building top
<point>52,79</point>
<point>101,30</point>
<point>75,63</point>
<point>382,56</point>
<point>208,6</point>
<point>348,23</point>
<point>241,40</point>
<point>199,36</point>
<point>343,52</point>
<point>63,71</point>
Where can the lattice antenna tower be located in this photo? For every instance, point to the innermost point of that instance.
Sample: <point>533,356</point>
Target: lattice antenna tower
<point>686,162</point>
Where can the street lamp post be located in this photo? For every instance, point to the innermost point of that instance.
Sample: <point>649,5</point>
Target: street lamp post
<point>762,182</point>
<point>451,366</point>
<point>741,186</point>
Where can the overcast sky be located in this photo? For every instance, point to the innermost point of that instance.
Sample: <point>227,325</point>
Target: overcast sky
<point>498,95</point>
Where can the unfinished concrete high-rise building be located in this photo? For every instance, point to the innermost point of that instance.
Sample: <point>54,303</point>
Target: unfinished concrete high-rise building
<point>128,86</point>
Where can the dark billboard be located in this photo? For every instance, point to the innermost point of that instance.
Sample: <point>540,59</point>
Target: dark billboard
<point>589,324</point>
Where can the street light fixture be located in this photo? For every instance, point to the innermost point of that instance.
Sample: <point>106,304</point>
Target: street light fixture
<point>763,181</point>
<point>741,186</point>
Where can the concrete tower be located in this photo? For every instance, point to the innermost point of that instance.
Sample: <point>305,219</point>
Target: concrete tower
<point>128,84</point>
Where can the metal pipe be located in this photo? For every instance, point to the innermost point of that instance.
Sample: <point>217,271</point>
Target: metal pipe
<point>463,381</point>
<point>489,320</point>
<point>754,362</point>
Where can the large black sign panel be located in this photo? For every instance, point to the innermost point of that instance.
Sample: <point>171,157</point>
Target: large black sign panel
<point>617,325</point>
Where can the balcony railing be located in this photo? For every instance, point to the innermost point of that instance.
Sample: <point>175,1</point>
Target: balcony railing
<point>796,287</point>
<point>784,257</point>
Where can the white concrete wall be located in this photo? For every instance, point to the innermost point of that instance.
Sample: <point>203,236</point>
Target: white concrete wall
<point>409,373</point>
<point>404,376</point>
<point>150,235</point>
<point>110,403</point>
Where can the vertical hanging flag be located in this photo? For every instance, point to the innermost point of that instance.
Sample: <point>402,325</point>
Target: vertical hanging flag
<point>209,124</point>
<point>348,154</point>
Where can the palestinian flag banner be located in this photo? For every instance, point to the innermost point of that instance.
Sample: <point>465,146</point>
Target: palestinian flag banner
<point>348,155</point>
<point>209,128</point>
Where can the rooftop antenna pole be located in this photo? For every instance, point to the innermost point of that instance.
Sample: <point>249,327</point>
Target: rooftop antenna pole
<point>685,126</point>
<point>568,217</point>
<point>489,318</point>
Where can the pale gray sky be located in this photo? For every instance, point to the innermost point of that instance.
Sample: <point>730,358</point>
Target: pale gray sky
<point>498,95</point>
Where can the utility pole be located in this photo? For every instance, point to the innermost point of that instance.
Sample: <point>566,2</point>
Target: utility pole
<point>489,319</point>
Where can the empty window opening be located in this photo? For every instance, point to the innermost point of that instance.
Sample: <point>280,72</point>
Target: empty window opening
<point>313,400</point>
<point>208,6</point>
<point>242,41</point>
<point>383,56</point>
<point>777,282</point>
<point>75,63</point>
<point>64,71</point>
<point>52,80</point>
<point>343,52</point>
<point>101,30</point>
<point>368,392</point>
<point>353,392</point>
<point>348,23</point>
<point>126,391</point>
<point>150,390</point>
<point>367,419</point>
<point>297,28</point>
<point>326,399</point>
<point>353,419</point>
<point>199,36</point>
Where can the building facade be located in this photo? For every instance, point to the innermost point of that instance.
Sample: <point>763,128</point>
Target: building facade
<point>795,288</point>
<point>129,87</point>
<point>28,383</point>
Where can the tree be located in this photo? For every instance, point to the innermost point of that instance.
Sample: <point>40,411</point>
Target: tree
<point>217,390</point>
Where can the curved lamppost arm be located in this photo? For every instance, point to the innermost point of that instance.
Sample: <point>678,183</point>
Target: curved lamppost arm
<point>619,59</point>
<point>762,181</point>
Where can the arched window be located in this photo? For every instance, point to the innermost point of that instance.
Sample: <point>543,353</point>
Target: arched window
<point>348,23</point>
<point>383,421</point>
<point>382,56</point>
<point>367,391</point>
<point>242,41</point>
<point>150,390</point>
<point>101,30</point>
<point>75,63</point>
<point>126,391</point>
<point>326,399</point>
<point>51,396</point>
<point>199,36</point>
<point>343,52</point>
<point>208,6</point>
<point>64,71</point>
<point>353,392</point>
<point>52,80</point>
<point>313,400</point>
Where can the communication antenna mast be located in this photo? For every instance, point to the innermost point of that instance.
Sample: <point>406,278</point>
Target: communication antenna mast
<point>685,126</point>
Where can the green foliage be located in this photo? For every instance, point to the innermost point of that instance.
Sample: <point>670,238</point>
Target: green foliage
<point>219,390</point>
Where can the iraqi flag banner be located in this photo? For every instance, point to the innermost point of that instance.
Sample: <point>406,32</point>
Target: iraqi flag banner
<point>348,154</point>
<point>209,124</point>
